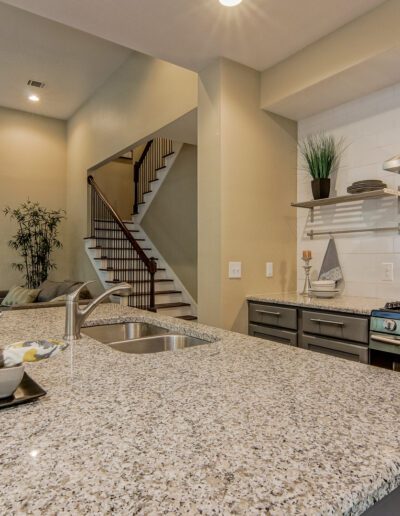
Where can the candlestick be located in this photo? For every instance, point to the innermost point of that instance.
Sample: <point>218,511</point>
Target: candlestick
<point>307,268</point>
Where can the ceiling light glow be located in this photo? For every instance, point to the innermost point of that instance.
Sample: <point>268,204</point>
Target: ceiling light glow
<point>230,3</point>
<point>33,98</point>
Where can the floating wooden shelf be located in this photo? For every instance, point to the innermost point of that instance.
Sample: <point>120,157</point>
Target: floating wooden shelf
<point>376,194</point>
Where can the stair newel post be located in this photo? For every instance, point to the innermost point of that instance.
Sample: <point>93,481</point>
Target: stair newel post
<point>152,271</point>
<point>136,173</point>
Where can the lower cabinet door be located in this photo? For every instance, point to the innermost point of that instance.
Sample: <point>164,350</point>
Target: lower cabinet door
<point>347,350</point>
<point>274,334</point>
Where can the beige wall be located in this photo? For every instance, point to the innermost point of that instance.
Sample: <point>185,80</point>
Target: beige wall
<point>247,179</point>
<point>115,179</point>
<point>171,220</point>
<point>144,95</point>
<point>362,40</point>
<point>32,165</point>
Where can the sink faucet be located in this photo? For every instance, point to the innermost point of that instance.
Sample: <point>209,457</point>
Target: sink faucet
<point>75,316</point>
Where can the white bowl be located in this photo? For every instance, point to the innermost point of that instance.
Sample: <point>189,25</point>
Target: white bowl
<point>323,286</point>
<point>10,378</point>
<point>323,283</point>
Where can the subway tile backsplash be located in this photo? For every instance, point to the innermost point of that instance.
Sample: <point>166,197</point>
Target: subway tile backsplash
<point>371,128</point>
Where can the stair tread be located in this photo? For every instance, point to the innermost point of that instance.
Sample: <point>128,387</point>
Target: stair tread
<point>113,269</point>
<point>157,281</point>
<point>171,305</point>
<point>113,222</point>
<point>113,248</point>
<point>168,154</point>
<point>118,239</point>
<point>127,281</point>
<point>164,292</point>
<point>108,229</point>
<point>120,259</point>
<point>187,317</point>
<point>161,168</point>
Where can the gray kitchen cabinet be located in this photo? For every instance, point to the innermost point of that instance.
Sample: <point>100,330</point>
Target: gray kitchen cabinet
<point>276,334</point>
<point>339,326</point>
<point>273,322</point>
<point>337,348</point>
<point>273,315</point>
<point>323,331</point>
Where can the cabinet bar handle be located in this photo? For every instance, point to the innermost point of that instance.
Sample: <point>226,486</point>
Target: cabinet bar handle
<point>386,340</point>
<point>268,313</point>
<point>323,321</point>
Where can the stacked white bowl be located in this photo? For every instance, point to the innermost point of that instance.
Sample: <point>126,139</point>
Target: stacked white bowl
<point>324,288</point>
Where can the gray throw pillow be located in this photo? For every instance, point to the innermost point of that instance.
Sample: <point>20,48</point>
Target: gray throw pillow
<point>48,290</point>
<point>68,286</point>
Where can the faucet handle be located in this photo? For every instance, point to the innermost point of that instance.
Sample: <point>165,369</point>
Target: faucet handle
<point>73,296</point>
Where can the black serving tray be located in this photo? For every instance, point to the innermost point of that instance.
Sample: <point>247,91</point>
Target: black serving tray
<point>28,390</point>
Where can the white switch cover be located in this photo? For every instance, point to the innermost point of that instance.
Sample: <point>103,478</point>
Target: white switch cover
<point>235,270</point>
<point>387,271</point>
<point>269,269</point>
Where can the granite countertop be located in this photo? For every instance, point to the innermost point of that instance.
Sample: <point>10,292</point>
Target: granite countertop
<point>350,304</point>
<point>239,426</point>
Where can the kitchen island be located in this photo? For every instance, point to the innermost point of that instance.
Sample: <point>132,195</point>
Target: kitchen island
<point>237,426</point>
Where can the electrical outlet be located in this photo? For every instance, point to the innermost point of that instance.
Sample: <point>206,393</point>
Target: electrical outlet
<point>269,269</point>
<point>387,271</point>
<point>235,270</point>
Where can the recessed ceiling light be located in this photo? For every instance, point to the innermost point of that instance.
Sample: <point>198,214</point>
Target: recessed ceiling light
<point>33,98</point>
<point>230,3</point>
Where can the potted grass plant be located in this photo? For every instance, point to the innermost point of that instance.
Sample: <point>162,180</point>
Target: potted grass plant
<point>321,154</point>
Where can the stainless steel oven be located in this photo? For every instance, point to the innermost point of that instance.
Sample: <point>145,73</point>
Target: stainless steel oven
<point>384,338</point>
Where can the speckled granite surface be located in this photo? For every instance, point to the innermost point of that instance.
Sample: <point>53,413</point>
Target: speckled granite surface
<point>354,305</point>
<point>240,426</point>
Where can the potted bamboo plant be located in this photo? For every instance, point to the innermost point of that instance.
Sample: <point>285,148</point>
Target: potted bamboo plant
<point>321,154</point>
<point>35,240</point>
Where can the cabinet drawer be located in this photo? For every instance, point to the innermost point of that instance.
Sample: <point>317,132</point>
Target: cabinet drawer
<point>282,336</point>
<point>354,352</point>
<point>338,326</point>
<point>273,315</point>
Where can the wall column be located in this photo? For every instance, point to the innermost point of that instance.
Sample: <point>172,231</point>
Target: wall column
<point>247,161</point>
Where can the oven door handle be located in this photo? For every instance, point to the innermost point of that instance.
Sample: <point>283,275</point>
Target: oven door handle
<point>385,340</point>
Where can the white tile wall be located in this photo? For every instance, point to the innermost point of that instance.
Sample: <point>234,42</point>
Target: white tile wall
<point>371,128</point>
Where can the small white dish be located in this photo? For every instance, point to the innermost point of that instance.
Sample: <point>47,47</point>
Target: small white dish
<point>10,378</point>
<point>325,294</point>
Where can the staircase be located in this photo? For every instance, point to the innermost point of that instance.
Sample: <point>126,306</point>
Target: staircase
<point>120,250</point>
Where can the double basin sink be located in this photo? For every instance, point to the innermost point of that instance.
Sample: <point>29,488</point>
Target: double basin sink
<point>139,337</point>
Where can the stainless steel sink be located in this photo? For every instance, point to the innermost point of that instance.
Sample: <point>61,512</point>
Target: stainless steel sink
<point>158,343</point>
<point>108,333</point>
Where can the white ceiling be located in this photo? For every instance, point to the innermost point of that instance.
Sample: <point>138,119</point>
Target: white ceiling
<point>190,33</point>
<point>71,63</point>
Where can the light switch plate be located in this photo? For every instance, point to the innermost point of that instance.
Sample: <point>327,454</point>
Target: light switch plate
<point>235,270</point>
<point>269,269</point>
<point>387,271</point>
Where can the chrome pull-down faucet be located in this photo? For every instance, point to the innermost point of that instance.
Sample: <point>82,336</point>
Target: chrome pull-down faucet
<point>76,316</point>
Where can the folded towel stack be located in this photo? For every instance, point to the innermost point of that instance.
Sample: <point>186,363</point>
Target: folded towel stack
<point>30,351</point>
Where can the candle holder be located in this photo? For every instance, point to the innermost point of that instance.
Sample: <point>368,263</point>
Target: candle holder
<point>307,283</point>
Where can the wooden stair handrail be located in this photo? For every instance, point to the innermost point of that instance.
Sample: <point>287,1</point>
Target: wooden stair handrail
<point>149,262</point>
<point>144,153</point>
